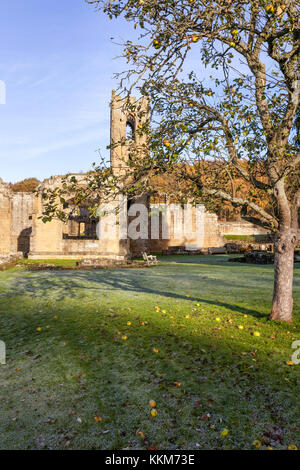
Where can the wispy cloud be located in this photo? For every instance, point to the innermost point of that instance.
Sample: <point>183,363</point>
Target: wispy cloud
<point>43,80</point>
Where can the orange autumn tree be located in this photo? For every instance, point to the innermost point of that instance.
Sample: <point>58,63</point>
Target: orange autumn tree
<point>27,185</point>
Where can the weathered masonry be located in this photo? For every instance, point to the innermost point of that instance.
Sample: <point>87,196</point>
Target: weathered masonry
<point>16,211</point>
<point>22,232</point>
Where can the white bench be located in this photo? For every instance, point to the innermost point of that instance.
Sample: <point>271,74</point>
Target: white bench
<point>149,259</point>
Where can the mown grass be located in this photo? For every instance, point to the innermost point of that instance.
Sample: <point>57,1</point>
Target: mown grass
<point>248,238</point>
<point>55,262</point>
<point>206,376</point>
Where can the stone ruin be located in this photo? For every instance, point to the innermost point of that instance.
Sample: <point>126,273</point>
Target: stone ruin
<point>16,223</point>
<point>23,233</point>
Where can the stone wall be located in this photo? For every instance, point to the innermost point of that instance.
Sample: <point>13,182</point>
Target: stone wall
<point>241,228</point>
<point>121,117</point>
<point>21,221</point>
<point>48,240</point>
<point>5,219</point>
<point>15,222</point>
<point>207,235</point>
<point>22,230</point>
<point>10,259</point>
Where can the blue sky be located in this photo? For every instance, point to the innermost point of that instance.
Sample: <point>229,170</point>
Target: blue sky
<point>57,61</point>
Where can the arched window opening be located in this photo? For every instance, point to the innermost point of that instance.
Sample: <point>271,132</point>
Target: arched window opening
<point>130,129</point>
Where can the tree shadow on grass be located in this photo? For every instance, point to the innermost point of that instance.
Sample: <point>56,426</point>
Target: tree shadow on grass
<point>211,260</point>
<point>128,372</point>
<point>58,286</point>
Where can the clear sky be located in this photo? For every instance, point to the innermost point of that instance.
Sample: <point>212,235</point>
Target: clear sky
<point>56,59</point>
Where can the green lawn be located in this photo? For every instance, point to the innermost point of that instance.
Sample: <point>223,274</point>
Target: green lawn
<point>248,238</point>
<point>207,375</point>
<point>68,263</point>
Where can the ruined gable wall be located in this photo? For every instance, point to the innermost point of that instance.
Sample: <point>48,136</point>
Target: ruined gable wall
<point>121,115</point>
<point>47,239</point>
<point>21,221</point>
<point>15,223</point>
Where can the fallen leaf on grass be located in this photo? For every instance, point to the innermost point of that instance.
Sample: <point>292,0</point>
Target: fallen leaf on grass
<point>97,419</point>
<point>257,444</point>
<point>292,447</point>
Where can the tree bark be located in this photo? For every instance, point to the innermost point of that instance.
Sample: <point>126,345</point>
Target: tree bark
<point>282,306</point>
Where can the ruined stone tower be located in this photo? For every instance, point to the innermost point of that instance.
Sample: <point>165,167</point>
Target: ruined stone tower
<point>128,141</point>
<point>127,118</point>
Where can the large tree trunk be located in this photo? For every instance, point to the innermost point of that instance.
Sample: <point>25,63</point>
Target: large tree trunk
<point>282,306</point>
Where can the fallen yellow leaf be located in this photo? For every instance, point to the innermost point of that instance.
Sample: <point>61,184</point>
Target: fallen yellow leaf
<point>257,443</point>
<point>97,419</point>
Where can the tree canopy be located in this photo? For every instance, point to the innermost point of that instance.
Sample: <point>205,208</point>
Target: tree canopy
<point>237,129</point>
